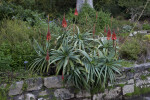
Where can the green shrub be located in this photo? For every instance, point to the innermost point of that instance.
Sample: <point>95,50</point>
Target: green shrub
<point>146,37</point>
<point>12,11</point>
<point>5,61</point>
<point>131,49</point>
<point>16,31</point>
<point>15,41</point>
<point>146,26</point>
<point>18,53</point>
<point>87,18</point>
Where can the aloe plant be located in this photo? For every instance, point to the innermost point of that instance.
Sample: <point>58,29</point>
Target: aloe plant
<point>40,64</point>
<point>65,58</point>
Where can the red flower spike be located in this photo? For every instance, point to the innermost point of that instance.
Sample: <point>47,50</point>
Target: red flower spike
<point>47,56</point>
<point>64,23</point>
<point>62,77</point>
<point>114,36</point>
<point>76,12</point>
<point>93,30</point>
<point>108,34</point>
<point>48,37</point>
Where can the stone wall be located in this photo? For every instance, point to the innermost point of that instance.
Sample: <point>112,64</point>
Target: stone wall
<point>52,88</point>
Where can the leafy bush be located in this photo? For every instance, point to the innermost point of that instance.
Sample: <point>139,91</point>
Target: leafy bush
<point>15,41</point>
<point>146,37</point>
<point>12,11</point>
<point>131,49</point>
<point>87,18</point>
<point>5,61</point>
<point>19,53</point>
<point>146,26</point>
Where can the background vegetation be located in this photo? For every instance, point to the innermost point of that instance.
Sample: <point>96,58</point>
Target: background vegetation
<point>76,52</point>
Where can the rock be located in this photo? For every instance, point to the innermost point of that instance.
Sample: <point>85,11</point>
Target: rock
<point>43,93</point>
<point>131,81</point>
<point>137,75</point>
<point>129,75</point>
<point>63,94</point>
<point>34,84</point>
<point>98,96</point>
<point>20,97</point>
<point>141,82</point>
<point>142,32</point>
<point>147,65</point>
<point>132,34</point>
<point>41,99</point>
<point>53,82</point>
<point>16,88</point>
<point>30,96</point>
<point>113,93</point>
<point>128,89</point>
<point>88,99</point>
<point>83,94</point>
<point>146,98</point>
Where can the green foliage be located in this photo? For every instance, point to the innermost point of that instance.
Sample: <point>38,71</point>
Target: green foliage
<point>5,61</point>
<point>143,77</point>
<point>121,85</point>
<point>146,26</point>
<point>125,63</point>
<point>17,75</point>
<point>138,91</point>
<point>87,18</point>
<point>39,64</point>
<point>3,95</point>
<point>13,11</point>
<point>146,37</point>
<point>66,58</point>
<point>131,49</point>
<point>15,41</point>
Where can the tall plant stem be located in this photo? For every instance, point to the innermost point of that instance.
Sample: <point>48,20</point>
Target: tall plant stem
<point>135,23</point>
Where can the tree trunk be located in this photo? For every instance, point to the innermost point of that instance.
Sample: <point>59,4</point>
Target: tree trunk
<point>80,3</point>
<point>90,2</point>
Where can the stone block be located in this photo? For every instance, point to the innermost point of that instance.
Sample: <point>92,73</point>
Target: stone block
<point>63,94</point>
<point>19,97</point>
<point>43,93</point>
<point>83,94</point>
<point>141,82</point>
<point>30,96</point>
<point>131,81</point>
<point>98,96</point>
<point>34,84</point>
<point>113,93</point>
<point>53,82</point>
<point>128,89</point>
<point>16,88</point>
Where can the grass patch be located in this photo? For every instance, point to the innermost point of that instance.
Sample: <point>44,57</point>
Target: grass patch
<point>125,63</point>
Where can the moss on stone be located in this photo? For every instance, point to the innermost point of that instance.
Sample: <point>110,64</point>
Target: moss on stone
<point>149,69</point>
<point>24,87</point>
<point>138,91</point>
<point>143,77</point>
<point>45,96</point>
<point>132,70</point>
<point>121,85</point>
